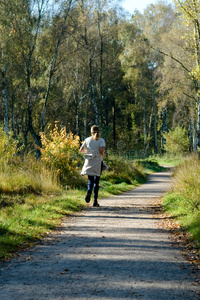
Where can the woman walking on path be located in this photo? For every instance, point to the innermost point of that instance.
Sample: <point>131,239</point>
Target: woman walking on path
<point>94,148</point>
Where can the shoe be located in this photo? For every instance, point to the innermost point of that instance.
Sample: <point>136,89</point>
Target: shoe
<point>87,198</point>
<point>96,204</point>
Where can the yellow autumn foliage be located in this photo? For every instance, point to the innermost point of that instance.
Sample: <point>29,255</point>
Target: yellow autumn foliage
<point>61,151</point>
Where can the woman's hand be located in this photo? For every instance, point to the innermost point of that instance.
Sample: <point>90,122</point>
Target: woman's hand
<point>102,150</point>
<point>82,150</point>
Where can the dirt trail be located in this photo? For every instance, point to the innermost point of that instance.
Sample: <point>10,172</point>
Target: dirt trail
<point>116,251</point>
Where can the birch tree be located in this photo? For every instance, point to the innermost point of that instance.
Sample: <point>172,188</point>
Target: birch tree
<point>190,12</point>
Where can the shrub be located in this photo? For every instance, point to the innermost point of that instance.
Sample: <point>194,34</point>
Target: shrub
<point>61,151</point>
<point>122,170</point>
<point>177,141</point>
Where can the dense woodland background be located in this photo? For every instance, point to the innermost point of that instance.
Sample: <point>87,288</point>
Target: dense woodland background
<point>85,62</point>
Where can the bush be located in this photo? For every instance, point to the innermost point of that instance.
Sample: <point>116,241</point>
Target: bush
<point>60,150</point>
<point>121,170</point>
<point>177,141</point>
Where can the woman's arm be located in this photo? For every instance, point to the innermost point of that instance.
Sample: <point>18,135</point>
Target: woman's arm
<point>102,150</point>
<point>82,150</point>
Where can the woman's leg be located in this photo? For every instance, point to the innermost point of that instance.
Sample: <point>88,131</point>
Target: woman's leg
<point>96,189</point>
<point>90,187</point>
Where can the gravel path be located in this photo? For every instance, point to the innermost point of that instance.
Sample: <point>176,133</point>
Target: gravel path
<point>116,251</point>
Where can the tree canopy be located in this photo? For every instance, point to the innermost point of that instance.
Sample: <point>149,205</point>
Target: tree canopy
<point>80,62</point>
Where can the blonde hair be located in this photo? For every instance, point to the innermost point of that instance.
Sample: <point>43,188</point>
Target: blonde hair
<point>95,132</point>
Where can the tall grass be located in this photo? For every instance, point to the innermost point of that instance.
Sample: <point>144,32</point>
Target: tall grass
<point>183,201</point>
<point>29,175</point>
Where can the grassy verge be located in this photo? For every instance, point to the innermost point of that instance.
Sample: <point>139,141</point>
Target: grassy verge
<point>27,216</point>
<point>183,201</point>
<point>167,160</point>
<point>25,220</point>
<point>151,165</point>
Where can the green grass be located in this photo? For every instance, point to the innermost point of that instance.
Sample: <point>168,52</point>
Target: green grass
<point>24,223</point>
<point>183,201</point>
<point>151,165</point>
<point>167,160</point>
<point>107,188</point>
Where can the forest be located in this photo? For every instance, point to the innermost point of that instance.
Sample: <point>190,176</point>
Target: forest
<point>82,62</point>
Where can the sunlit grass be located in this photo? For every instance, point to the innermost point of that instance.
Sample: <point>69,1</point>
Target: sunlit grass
<point>167,159</point>
<point>27,176</point>
<point>24,223</point>
<point>183,201</point>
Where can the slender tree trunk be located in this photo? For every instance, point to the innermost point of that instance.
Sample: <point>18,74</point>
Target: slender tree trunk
<point>52,65</point>
<point>144,114</point>
<point>13,116</point>
<point>101,68</point>
<point>144,121</point>
<point>92,90</point>
<point>155,129</point>
<point>85,120</point>
<point>163,129</point>
<point>155,119</point>
<point>91,76</point>
<point>30,129</point>
<point>197,135</point>
<point>28,63</point>
<point>149,129</point>
<point>193,140</point>
<point>114,126</point>
<point>5,99</point>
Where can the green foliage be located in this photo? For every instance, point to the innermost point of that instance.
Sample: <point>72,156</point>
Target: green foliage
<point>8,147</point>
<point>177,141</point>
<point>183,201</point>
<point>121,170</point>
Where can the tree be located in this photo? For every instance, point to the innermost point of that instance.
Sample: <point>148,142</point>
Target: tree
<point>190,13</point>
<point>54,57</point>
